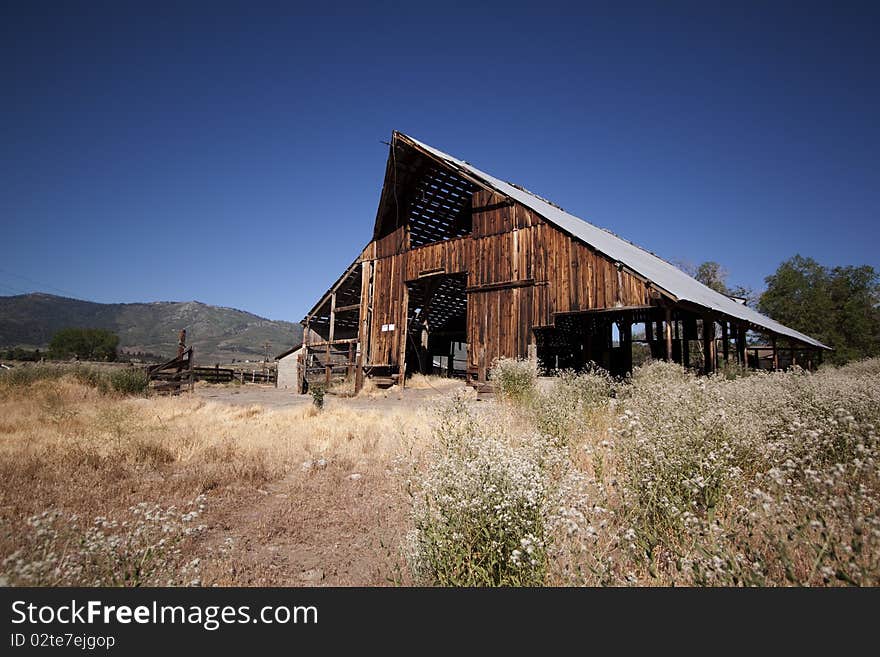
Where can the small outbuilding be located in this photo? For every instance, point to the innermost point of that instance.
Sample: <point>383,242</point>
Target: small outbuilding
<point>289,368</point>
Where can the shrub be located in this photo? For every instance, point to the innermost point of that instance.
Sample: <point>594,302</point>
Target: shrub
<point>478,510</point>
<point>659,373</point>
<point>130,381</point>
<point>768,479</point>
<point>515,378</point>
<point>679,457</point>
<point>317,390</point>
<point>730,369</point>
<point>25,375</point>
<point>91,377</point>
<point>29,374</point>
<point>488,508</point>
<point>866,367</point>
<point>61,549</point>
<point>479,518</point>
<point>765,479</point>
<point>568,408</point>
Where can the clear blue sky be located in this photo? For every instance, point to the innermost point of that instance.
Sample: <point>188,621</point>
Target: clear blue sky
<point>231,153</point>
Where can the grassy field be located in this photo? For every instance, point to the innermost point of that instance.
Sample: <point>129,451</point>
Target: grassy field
<point>664,479</point>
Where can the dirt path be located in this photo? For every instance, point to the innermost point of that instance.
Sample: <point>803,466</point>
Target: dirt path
<point>274,398</point>
<point>324,527</point>
<point>324,524</point>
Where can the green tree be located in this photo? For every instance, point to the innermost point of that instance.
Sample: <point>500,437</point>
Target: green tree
<point>713,275</point>
<point>839,306</point>
<point>84,343</point>
<point>18,353</point>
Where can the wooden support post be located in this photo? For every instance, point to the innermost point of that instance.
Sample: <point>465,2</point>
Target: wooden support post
<point>404,334</point>
<point>725,342</point>
<point>350,368</point>
<point>741,347</point>
<point>364,327</point>
<point>482,373</point>
<point>608,345</point>
<point>668,334</point>
<point>302,382</point>
<point>677,351</point>
<point>654,333</point>
<point>775,353</point>
<point>426,359</point>
<point>714,347</point>
<point>327,366</point>
<point>588,346</point>
<point>626,344</point>
<point>708,345</point>
<point>685,350</point>
<point>332,317</point>
<point>450,363</point>
<point>793,355</point>
<point>181,343</point>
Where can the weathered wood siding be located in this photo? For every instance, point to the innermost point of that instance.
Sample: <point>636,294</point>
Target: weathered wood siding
<point>389,308</point>
<point>521,270</point>
<point>449,257</point>
<point>391,244</point>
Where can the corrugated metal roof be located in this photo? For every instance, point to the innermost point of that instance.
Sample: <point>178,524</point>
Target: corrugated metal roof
<point>661,273</point>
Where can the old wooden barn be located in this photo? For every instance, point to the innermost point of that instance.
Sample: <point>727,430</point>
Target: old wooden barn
<point>461,258</point>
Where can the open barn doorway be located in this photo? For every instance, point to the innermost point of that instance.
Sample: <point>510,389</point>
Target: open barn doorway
<point>437,325</point>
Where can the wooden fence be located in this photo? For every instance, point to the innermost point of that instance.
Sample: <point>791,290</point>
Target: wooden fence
<point>329,360</point>
<point>180,373</point>
<point>257,377</point>
<point>174,375</point>
<point>219,375</point>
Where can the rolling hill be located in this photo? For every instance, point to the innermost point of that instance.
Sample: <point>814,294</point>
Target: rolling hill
<point>218,334</point>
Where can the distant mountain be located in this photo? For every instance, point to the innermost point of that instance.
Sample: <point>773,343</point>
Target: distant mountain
<point>217,334</point>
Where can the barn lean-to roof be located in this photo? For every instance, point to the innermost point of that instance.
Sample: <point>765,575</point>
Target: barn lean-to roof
<point>661,274</point>
<point>287,352</point>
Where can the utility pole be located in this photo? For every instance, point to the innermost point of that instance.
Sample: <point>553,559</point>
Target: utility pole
<point>266,346</point>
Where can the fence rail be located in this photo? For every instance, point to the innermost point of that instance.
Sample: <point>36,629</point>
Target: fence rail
<point>178,373</point>
<point>257,377</point>
<point>220,375</point>
<point>174,375</point>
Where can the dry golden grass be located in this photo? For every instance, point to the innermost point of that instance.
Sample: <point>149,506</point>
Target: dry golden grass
<point>67,449</point>
<point>429,381</point>
<point>668,479</point>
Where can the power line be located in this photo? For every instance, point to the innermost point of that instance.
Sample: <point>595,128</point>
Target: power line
<point>40,283</point>
<point>13,290</point>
